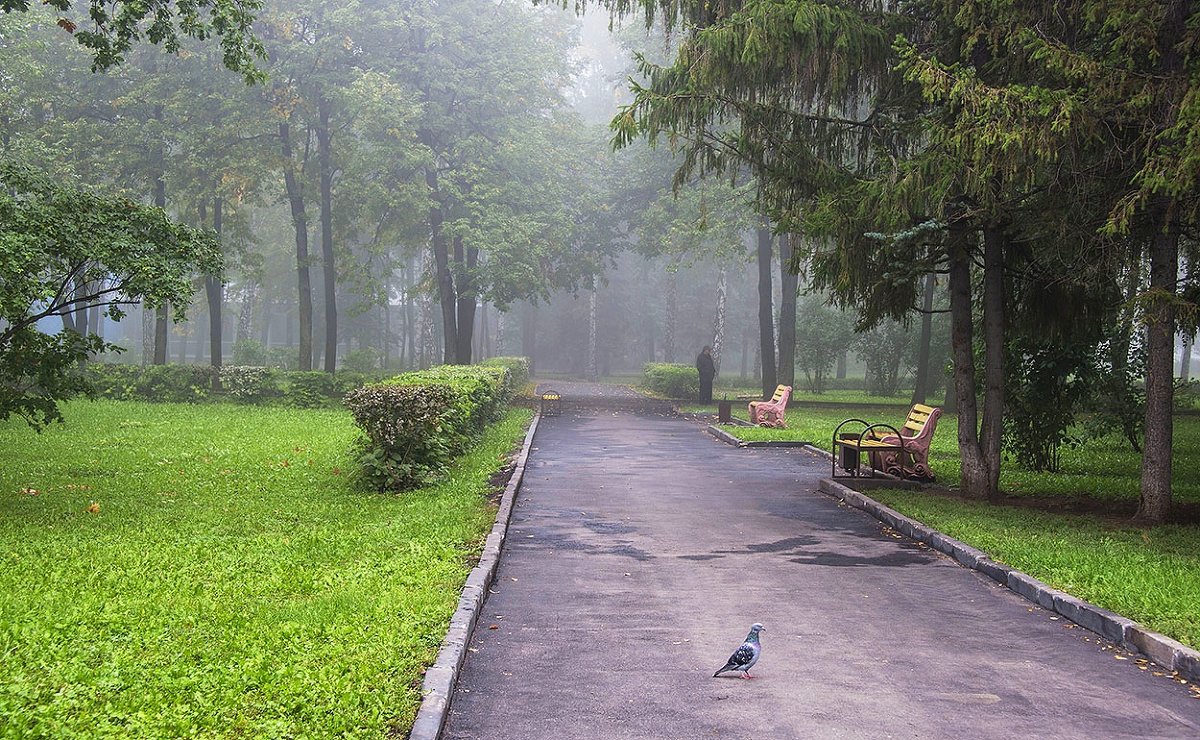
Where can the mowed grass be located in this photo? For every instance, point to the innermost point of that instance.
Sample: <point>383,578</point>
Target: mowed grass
<point>233,581</point>
<point>1103,468</point>
<point>1149,575</point>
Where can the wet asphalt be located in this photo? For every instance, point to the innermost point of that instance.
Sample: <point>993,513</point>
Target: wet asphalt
<point>640,551</point>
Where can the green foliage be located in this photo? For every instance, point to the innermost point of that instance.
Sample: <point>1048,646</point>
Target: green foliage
<point>111,28</point>
<point>1046,386</point>
<point>158,383</point>
<point>823,333</point>
<point>672,380</point>
<point>309,389</point>
<point>416,422</point>
<point>234,581</point>
<point>242,384</point>
<point>361,360</point>
<point>883,348</point>
<point>518,368</point>
<point>247,384</point>
<point>250,352</point>
<point>63,248</point>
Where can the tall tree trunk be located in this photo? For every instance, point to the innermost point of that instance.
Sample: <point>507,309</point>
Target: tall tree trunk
<point>295,194</point>
<point>465,262</point>
<point>842,366</point>
<point>245,325</point>
<point>766,313</point>
<point>921,387</point>
<point>427,350</point>
<point>789,284</point>
<point>1155,502</point>
<point>671,309</point>
<point>160,199</point>
<point>214,290</point>
<point>719,321</point>
<point>328,266</point>
<point>1185,359</point>
<point>147,335</point>
<point>992,430</point>
<point>974,467</point>
<point>593,372</point>
<point>441,258</point>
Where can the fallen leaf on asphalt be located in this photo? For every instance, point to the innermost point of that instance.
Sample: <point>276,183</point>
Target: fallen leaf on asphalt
<point>493,626</point>
<point>1120,657</point>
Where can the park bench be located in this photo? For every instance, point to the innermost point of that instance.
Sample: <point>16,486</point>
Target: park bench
<point>902,452</point>
<point>551,402</point>
<point>770,413</point>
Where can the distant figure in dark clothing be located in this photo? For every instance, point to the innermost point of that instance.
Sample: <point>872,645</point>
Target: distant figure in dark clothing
<point>706,368</point>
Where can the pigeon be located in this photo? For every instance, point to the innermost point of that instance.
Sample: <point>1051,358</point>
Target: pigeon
<point>744,658</point>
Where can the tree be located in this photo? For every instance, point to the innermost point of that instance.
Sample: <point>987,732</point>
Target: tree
<point>65,248</point>
<point>111,28</point>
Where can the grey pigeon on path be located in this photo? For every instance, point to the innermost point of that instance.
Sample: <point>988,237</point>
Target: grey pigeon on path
<point>746,655</point>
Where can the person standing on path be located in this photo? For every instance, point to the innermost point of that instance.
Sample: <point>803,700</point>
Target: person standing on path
<point>706,368</point>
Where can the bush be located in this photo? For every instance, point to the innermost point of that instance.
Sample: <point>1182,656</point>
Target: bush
<point>517,366</point>
<point>416,421</point>
<point>309,390</point>
<point>247,384</point>
<point>250,353</point>
<point>672,380</point>
<point>164,383</point>
<point>362,360</point>
<point>405,442</point>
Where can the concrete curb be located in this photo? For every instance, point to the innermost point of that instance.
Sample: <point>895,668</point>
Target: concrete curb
<point>441,677</point>
<point>728,438</point>
<point>1168,653</point>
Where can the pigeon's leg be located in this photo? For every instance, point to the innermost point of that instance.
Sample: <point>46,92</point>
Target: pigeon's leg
<point>746,674</point>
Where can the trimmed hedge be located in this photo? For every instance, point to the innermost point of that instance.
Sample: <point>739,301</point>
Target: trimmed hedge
<point>672,380</point>
<point>416,422</point>
<point>239,384</point>
<point>518,366</point>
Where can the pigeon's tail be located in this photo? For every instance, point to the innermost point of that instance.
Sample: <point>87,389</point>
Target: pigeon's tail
<point>728,667</point>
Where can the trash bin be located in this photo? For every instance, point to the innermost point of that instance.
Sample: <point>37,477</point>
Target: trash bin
<point>850,455</point>
<point>724,411</point>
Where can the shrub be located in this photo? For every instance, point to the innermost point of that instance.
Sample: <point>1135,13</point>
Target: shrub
<point>250,353</point>
<point>672,380</point>
<point>415,421</point>
<point>517,366</point>
<point>247,383</point>
<point>362,360</point>
<point>309,390</point>
<point>405,442</point>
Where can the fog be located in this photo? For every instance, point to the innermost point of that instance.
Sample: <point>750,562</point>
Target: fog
<point>421,184</point>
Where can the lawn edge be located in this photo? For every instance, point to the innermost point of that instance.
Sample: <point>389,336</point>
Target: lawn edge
<point>441,677</point>
<point>1165,651</point>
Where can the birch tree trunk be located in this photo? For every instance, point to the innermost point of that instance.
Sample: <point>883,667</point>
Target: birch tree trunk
<point>719,321</point>
<point>328,267</point>
<point>671,310</point>
<point>593,373</point>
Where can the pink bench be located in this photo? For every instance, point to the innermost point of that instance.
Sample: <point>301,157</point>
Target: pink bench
<point>771,413</point>
<point>903,452</point>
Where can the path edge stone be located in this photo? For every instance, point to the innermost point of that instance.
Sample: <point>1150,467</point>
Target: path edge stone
<point>1168,653</point>
<point>441,677</point>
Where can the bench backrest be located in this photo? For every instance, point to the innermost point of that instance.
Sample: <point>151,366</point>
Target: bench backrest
<point>921,421</point>
<point>781,394</point>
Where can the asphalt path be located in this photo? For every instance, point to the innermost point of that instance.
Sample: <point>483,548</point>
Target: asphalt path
<point>640,551</point>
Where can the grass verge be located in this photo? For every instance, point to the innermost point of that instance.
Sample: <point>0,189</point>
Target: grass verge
<point>1149,575</point>
<point>229,580</point>
<point>1104,468</point>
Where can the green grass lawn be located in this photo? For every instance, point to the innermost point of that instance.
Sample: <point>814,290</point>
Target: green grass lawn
<point>233,581</point>
<point>1104,468</point>
<point>1149,575</point>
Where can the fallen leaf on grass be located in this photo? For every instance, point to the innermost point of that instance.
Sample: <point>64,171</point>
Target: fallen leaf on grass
<point>93,508</point>
<point>31,492</point>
